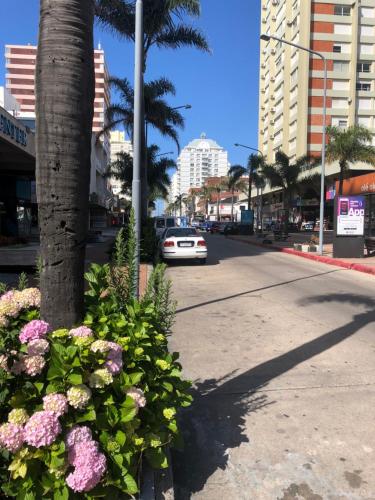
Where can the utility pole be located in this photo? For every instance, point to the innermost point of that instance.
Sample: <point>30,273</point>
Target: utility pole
<point>138,131</point>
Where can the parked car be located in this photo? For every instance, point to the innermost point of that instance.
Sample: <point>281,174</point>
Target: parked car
<point>163,222</point>
<point>215,227</point>
<point>205,225</point>
<point>308,226</point>
<point>183,243</point>
<point>231,228</point>
<point>223,225</point>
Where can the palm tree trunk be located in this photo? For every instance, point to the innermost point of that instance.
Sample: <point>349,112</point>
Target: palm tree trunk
<point>341,176</point>
<point>250,188</point>
<point>64,112</point>
<point>232,208</point>
<point>218,207</point>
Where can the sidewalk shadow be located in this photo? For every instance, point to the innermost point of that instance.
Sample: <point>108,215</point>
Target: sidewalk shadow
<point>216,421</point>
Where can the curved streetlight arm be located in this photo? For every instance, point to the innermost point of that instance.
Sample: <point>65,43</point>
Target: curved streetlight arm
<point>267,38</point>
<point>248,147</point>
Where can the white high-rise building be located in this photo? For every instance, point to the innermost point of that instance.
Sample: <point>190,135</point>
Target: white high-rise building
<point>200,159</point>
<point>119,144</point>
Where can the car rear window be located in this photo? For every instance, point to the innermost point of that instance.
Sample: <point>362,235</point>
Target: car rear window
<point>181,232</point>
<point>170,222</point>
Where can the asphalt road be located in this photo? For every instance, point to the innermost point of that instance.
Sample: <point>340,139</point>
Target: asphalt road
<point>281,351</point>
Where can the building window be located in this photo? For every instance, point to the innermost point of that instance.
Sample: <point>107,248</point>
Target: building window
<point>363,86</point>
<point>342,29</point>
<point>337,48</point>
<point>367,12</point>
<point>342,123</point>
<point>342,10</point>
<point>366,48</point>
<point>340,66</point>
<point>364,67</point>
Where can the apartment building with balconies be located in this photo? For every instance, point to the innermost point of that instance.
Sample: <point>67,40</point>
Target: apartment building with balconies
<point>291,81</point>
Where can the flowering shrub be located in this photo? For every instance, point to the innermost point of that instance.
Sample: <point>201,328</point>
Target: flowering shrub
<point>79,408</point>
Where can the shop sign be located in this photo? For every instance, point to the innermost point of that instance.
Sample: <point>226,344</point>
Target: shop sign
<point>8,128</point>
<point>350,216</point>
<point>363,184</point>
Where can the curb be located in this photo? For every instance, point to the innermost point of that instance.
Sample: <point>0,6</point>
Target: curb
<point>318,258</point>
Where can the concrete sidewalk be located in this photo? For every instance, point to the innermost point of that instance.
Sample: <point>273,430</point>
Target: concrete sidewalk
<point>367,264</point>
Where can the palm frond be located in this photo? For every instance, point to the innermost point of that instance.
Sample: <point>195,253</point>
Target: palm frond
<point>181,36</point>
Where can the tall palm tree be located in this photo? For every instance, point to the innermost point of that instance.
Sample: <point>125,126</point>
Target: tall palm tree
<point>205,193</point>
<point>260,184</point>
<point>158,113</point>
<point>349,146</point>
<point>179,200</point>
<point>234,183</point>
<point>64,112</point>
<point>218,187</point>
<point>158,178</point>
<point>286,175</point>
<point>163,25</point>
<point>254,163</point>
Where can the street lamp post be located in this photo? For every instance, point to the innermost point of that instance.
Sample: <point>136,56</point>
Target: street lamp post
<point>250,179</point>
<point>267,38</point>
<point>138,126</point>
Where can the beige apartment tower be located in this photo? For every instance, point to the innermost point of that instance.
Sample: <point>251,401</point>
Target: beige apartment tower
<point>291,82</point>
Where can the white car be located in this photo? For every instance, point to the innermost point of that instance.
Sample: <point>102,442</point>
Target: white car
<point>183,243</point>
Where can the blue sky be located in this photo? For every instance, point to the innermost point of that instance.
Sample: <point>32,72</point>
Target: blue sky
<point>222,87</point>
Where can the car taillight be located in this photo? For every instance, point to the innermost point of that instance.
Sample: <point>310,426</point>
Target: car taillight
<point>168,243</point>
<point>201,243</point>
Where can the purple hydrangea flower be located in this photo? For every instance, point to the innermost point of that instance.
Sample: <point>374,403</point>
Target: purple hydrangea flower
<point>35,329</point>
<point>42,429</point>
<point>81,331</point>
<point>11,436</point>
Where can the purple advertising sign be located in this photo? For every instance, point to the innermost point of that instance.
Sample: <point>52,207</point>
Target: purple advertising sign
<point>351,216</point>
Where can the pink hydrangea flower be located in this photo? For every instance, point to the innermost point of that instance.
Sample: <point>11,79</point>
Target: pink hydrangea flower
<point>56,403</point>
<point>7,296</point>
<point>114,366</point>
<point>78,434</point>
<point>30,297</point>
<point>79,452</point>
<point>9,307</point>
<point>42,429</point>
<point>90,466</point>
<point>84,478</point>
<point>33,365</point>
<point>11,437</point>
<point>35,329</point>
<point>81,331</point>
<point>138,396</point>
<point>37,347</point>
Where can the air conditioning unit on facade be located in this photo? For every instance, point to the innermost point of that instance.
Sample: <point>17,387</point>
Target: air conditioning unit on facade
<point>275,2</point>
<point>263,77</point>
<point>273,98</point>
<point>264,20</point>
<point>271,137</point>
<point>272,78</point>
<point>274,18</point>
<point>273,51</point>
<point>263,65</point>
<point>273,110</point>
<point>272,122</point>
<point>264,6</point>
<point>263,91</point>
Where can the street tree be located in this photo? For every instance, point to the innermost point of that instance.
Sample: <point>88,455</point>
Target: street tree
<point>286,175</point>
<point>254,164</point>
<point>163,28</point>
<point>347,146</point>
<point>158,113</point>
<point>158,178</point>
<point>64,111</point>
<point>235,183</point>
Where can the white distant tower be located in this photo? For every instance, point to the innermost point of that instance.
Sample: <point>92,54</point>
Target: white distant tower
<point>200,159</point>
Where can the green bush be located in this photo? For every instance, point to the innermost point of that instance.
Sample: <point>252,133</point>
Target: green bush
<point>128,401</point>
